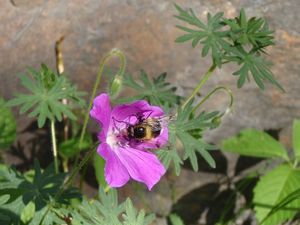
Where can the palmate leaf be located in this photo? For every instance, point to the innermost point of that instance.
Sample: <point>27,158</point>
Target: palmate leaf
<point>186,125</point>
<point>274,187</point>
<point>253,31</point>
<point>107,211</point>
<point>31,198</point>
<point>252,63</point>
<point>46,93</point>
<point>157,91</point>
<point>102,212</point>
<point>132,217</point>
<point>210,35</point>
<point>232,40</point>
<point>188,129</point>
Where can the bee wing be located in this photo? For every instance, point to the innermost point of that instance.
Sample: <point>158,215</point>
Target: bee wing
<point>165,120</point>
<point>159,122</point>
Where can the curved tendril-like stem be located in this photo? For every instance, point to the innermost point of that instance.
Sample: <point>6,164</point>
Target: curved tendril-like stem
<point>229,93</point>
<point>200,84</point>
<point>114,52</point>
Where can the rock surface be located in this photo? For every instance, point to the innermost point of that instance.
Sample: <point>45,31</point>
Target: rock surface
<point>145,31</point>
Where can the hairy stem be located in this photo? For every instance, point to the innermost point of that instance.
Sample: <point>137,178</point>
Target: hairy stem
<point>112,53</point>
<point>69,180</point>
<point>200,84</point>
<point>228,92</point>
<point>54,145</point>
<point>76,170</point>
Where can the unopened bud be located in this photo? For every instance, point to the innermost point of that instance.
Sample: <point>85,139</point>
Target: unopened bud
<point>116,86</point>
<point>216,121</point>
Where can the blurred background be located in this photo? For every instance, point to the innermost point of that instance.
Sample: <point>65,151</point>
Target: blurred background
<point>145,31</point>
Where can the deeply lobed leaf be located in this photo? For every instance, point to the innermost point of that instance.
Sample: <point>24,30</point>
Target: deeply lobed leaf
<point>46,92</point>
<point>157,91</point>
<point>232,40</point>
<point>31,198</point>
<point>108,211</point>
<point>188,129</point>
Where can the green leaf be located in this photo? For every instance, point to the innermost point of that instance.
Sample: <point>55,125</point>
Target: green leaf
<point>188,129</point>
<point>232,40</point>
<point>252,63</point>
<point>4,199</point>
<point>167,156</point>
<point>46,92</point>
<point>254,143</point>
<point>106,210</point>
<point>296,138</point>
<point>272,189</point>
<point>132,217</point>
<point>253,32</point>
<point>70,148</point>
<point>7,126</point>
<point>41,190</point>
<point>210,35</point>
<point>156,91</point>
<point>28,212</point>
<point>176,220</point>
<point>102,212</point>
<point>99,163</point>
<point>283,203</point>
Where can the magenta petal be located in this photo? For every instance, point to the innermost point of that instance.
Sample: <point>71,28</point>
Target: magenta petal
<point>101,112</point>
<point>116,174</point>
<point>141,165</point>
<point>126,111</point>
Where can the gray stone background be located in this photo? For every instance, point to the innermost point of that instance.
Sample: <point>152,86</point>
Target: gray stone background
<point>145,31</point>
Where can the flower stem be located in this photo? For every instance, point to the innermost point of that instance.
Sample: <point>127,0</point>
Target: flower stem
<point>206,76</point>
<point>80,165</point>
<point>54,146</point>
<point>76,170</point>
<point>113,52</point>
<point>70,179</point>
<point>227,90</point>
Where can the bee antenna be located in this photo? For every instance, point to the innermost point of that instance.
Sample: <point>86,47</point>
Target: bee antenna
<point>151,111</point>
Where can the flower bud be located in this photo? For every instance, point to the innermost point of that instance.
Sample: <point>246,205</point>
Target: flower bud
<point>216,121</point>
<point>116,86</point>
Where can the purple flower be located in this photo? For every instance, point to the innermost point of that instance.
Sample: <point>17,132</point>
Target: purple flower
<point>128,157</point>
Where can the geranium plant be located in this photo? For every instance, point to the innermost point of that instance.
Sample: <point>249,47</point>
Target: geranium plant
<point>128,146</point>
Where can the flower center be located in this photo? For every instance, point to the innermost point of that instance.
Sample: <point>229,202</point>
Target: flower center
<point>112,140</point>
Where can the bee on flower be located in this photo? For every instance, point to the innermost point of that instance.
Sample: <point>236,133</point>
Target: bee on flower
<point>128,133</point>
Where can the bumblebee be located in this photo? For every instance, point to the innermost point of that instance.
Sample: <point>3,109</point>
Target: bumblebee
<point>147,129</point>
